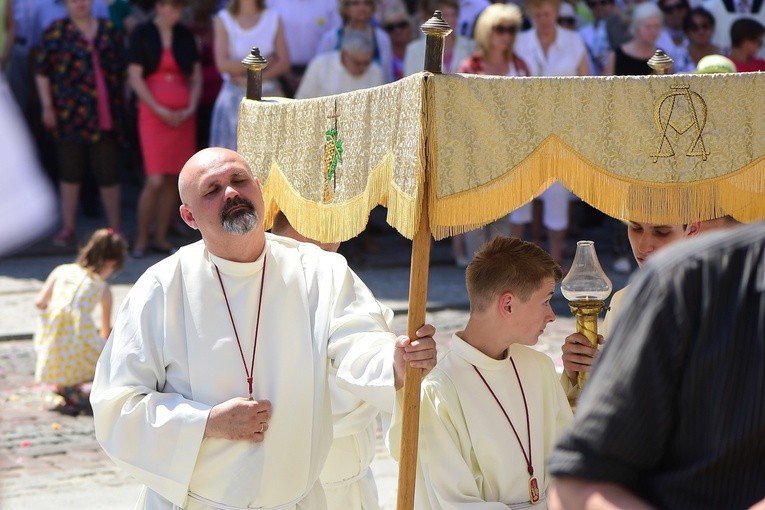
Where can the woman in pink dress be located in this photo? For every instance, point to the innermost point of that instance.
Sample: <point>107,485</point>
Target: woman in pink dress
<point>165,74</point>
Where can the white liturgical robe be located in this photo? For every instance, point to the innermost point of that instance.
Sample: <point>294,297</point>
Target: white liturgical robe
<point>173,355</point>
<point>469,456</point>
<point>346,477</point>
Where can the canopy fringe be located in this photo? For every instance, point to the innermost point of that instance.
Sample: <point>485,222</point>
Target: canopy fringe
<point>339,221</point>
<point>739,194</point>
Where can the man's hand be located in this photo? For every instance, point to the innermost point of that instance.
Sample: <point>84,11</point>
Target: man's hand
<point>420,353</point>
<point>239,419</point>
<point>578,355</point>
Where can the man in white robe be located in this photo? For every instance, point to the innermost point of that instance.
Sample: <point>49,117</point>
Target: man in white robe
<point>493,408</point>
<point>170,395</point>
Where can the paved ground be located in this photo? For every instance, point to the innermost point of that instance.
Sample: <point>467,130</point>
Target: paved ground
<point>53,461</point>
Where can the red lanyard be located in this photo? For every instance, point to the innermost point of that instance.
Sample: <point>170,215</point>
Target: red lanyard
<point>533,484</point>
<point>247,372</point>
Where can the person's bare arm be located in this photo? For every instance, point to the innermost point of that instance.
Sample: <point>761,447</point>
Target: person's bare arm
<point>138,84</point>
<point>106,312</point>
<point>583,69</point>
<point>610,65</point>
<point>578,494</point>
<point>279,62</point>
<point>46,101</point>
<point>195,85</point>
<point>223,61</point>
<point>10,34</point>
<point>43,297</point>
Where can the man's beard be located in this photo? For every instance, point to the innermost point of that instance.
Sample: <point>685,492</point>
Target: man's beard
<point>239,222</point>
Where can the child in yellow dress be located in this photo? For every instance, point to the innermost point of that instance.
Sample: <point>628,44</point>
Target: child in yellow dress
<point>68,342</point>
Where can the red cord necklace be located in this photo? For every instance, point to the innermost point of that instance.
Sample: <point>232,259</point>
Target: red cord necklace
<point>247,372</point>
<point>533,484</point>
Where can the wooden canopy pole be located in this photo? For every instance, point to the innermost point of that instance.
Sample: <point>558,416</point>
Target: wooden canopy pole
<point>435,29</point>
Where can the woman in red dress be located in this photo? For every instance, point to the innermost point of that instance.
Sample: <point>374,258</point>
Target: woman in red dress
<point>165,74</point>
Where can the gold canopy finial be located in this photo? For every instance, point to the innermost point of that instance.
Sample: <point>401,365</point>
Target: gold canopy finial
<point>255,64</point>
<point>436,26</point>
<point>660,62</point>
<point>435,30</point>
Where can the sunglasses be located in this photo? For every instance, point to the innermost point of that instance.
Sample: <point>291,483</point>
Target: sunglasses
<point>599,3</point>
<point>669,9</point>
<point>567,21</point>
<point>390,27</point>
<point>505,29</point>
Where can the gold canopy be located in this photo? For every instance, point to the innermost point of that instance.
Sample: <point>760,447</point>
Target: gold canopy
<point>659,149</point>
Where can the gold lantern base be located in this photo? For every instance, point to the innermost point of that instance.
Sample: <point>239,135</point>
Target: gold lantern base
<point>586,312</point>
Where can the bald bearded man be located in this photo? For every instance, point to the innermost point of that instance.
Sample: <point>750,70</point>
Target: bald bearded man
<point>212,389</point>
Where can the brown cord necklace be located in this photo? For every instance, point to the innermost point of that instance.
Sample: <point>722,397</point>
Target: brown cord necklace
<point>247,372</point>
<point>533,484</point>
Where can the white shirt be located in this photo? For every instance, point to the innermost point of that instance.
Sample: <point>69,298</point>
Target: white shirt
<point>331,42</point>
<point>326,76</point>
<point>305,22</point>
<point>241,40</point>
<point>677,52</point>
<point>468,451</point>
<point>595,37</point>
<point>563,56</point>
<point>173,355</point>
<point>468,13</point>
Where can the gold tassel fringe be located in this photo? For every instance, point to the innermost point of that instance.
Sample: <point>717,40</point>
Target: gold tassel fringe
<point>740,194</point>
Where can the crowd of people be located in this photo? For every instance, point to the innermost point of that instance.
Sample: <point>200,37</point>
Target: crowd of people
<point>106,80</point>
<point>111,76</point>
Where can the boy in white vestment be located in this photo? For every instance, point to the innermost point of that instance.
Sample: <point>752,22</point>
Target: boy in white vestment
<point>492,408</point>
<point>183,400</point>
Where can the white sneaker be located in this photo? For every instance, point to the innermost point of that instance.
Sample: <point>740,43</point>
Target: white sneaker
<point>622,265</point>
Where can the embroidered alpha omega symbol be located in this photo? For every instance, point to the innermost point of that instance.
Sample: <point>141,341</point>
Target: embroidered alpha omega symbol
<point>681,109</point>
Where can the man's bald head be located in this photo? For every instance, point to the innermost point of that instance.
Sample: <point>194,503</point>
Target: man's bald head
<point>221,198</point>
<point>203,161</point>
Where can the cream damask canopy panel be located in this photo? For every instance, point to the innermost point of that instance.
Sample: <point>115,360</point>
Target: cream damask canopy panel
<point>327,162</point>
<point>661,149</point>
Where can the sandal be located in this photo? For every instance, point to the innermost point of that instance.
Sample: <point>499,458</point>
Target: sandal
<point>64,237</point>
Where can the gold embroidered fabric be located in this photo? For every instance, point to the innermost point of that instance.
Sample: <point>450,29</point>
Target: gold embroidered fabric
<point>659,149</point>
<point>381,134</point>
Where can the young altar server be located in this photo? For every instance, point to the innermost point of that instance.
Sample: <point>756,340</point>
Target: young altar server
<point>493,407</point>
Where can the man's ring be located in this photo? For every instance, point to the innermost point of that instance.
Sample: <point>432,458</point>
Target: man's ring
<point>262,427</point>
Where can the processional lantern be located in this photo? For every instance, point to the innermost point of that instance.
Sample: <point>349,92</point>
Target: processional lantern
<point>586,287</point>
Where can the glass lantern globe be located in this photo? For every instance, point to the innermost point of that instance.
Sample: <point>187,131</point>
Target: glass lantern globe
<point>586,280</point>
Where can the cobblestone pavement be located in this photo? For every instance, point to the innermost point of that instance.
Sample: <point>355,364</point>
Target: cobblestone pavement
<point>48,460</point>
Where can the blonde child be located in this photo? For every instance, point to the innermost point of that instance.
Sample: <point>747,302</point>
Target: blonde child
<point>68,342</point>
